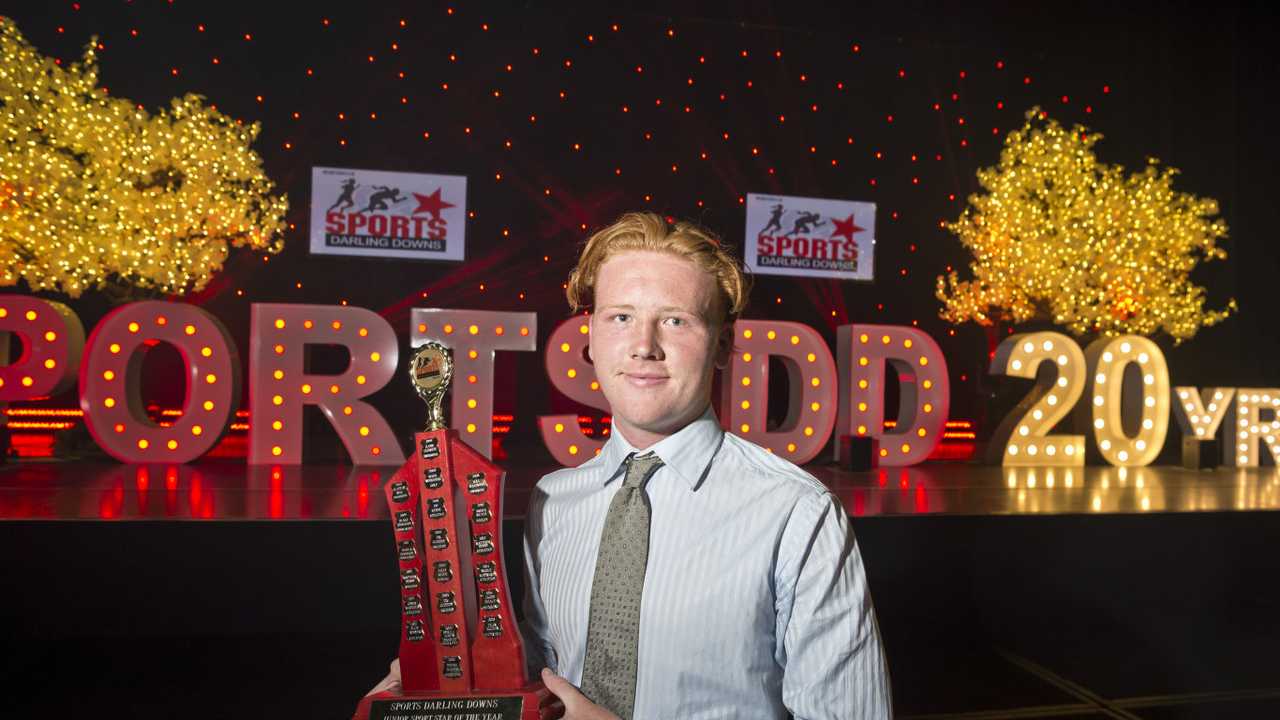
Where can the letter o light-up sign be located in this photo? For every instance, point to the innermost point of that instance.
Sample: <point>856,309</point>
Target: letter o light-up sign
<point>572,375</point>
<point>111,382</point>
<point>474,336</point>
<point>52,342</point>
<point>1107,359</point>
<point>279,386</point>
<point>925,389</point>
<point>1023,437</point>
<point>811,372</point>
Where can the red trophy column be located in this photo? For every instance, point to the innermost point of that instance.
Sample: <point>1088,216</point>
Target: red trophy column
<point>461,654</point>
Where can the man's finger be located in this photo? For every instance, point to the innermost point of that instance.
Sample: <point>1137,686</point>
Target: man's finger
<point>563,689</point>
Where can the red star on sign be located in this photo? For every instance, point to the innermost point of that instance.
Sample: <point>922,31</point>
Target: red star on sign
<point>431,203</point>
<point>846,228</point>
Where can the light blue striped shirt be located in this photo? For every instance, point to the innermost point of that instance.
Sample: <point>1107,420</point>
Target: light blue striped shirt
<point>755,601</point>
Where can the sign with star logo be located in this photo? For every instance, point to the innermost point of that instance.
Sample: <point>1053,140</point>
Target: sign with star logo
<point>811,237</point>
<point>388,214</point>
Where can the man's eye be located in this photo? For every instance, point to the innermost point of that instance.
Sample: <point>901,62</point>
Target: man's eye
<point>621,317</point>
<point>676,321</point>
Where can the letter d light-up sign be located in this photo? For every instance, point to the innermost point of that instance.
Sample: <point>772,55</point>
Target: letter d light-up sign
<point>461,654</point>
<point>279,385</point>
<point>811,371</point>
<point>924,396</point>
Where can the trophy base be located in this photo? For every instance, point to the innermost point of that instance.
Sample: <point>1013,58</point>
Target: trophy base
<point>532,702</point>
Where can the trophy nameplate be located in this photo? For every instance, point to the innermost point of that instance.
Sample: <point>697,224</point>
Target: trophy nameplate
<point>461,654</point>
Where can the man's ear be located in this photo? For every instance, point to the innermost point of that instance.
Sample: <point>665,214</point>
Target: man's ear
<point>724,346</point>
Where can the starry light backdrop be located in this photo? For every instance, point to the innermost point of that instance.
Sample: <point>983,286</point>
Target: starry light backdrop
<point>563,118</point>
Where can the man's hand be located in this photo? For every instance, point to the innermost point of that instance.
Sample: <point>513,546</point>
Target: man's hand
<point>390,683</point>
<point>576,705</point>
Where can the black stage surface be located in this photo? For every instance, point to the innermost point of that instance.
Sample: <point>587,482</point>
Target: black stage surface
<point>209,591</point>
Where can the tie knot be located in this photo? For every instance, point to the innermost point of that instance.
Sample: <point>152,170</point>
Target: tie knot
<point>640,467</point>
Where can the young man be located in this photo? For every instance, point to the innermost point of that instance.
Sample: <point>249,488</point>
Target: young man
<point>684,572</point>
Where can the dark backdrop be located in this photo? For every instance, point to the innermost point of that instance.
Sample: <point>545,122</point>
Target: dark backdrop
<point>1188,83</point>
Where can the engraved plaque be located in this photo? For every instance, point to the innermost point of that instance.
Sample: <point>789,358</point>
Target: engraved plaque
<point>452,666</point>
<point>449,635</point>
<point>430,449</point>
<point>439,539</point>
<point>493,626</point>
<point>404,520</point>
<point>435,508</point>
<point>486,572</point>
<point>483,544</point>
<point>489,600</point>
<point>480,513</point>
<point>445,602</point>
<point>413,604</point>
<point>476,483</point>
<point>413,630</point>
<point>433,478</point>
<point>406,550</point>
<point>399,491</point>
<point>409,579</point>
<point>442,571</point>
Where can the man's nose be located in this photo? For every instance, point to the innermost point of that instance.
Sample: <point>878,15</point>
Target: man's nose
<point>645,343</point>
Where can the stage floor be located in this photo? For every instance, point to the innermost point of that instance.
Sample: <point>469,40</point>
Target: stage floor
<point>230,490</point>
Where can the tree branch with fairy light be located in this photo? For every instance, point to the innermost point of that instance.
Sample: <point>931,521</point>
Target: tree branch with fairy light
<point>1058,236</point>
<point>97,193</point>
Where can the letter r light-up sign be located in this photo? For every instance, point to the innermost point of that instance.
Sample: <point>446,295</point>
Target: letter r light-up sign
<point>279,385</point>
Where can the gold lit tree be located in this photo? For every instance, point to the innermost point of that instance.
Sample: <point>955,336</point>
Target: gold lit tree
<point>95,192</point>
<point>1059,236</point>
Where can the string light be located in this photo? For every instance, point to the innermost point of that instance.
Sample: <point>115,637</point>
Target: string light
<point>1100,249</point>
<point>97,192</point>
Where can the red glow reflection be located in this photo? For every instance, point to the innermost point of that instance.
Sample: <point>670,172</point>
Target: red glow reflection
<point>275,494</point>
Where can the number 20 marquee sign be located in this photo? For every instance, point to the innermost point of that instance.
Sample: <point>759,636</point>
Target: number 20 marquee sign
<point>825,392</point>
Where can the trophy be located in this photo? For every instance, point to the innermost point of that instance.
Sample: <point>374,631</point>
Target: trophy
<point>461,655</point>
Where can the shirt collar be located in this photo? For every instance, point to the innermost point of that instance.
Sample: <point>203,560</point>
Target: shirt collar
<point>688,451</point>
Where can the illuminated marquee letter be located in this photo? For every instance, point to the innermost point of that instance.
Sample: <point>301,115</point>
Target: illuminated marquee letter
<point>279,385</point>
<point>811,377</point>
<point>475,336</point>
<point>1107,359</point>
<point>52,342</point>
<point>1199,419</point>
<point>111,382</point>
<point>1022,438</point>
<point>1249,427</point>
<point>924,389</point>
<point>572,375</point>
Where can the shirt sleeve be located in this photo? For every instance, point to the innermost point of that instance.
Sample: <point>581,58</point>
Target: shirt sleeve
<point>828,642</point>
<point>537,648</point>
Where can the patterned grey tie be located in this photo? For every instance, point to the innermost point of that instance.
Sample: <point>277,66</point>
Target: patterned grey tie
<point>613,630</point>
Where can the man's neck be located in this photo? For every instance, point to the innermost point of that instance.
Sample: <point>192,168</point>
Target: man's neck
<point>643,439</point>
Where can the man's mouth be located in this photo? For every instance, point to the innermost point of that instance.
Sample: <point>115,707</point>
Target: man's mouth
<point>645,379</point>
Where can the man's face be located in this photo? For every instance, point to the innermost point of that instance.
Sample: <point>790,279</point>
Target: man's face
<point>656,339</point>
